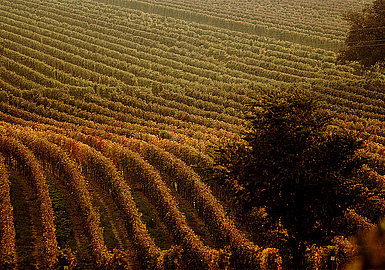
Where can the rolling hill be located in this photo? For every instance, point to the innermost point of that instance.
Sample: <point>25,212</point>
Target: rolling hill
<point>108,108</point>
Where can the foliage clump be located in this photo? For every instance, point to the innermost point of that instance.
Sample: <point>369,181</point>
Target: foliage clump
<point>371,249</point>
<point>365,41</point>
<point>297,178</point>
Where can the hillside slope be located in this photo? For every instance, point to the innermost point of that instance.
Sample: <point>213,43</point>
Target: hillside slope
<point>109,111</point>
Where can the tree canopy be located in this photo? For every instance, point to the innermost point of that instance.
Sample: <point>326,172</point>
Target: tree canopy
<point>365,41</point>
<point>303,171</point>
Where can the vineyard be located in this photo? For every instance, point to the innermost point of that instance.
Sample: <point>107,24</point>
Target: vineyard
<point>108,109</point>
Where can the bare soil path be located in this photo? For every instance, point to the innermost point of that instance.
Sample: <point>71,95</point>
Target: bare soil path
<point>29,236</point>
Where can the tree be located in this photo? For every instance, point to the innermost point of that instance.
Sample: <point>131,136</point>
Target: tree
<point>365,42</point>
<point>303,171</point>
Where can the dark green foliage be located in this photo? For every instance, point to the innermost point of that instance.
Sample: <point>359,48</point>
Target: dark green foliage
<point>64,229</point>
<point>297,169</point>
<point>151,219</point>
<point>365,42</point>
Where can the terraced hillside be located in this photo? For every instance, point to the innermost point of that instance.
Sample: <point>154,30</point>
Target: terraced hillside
<point>107,109</point>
